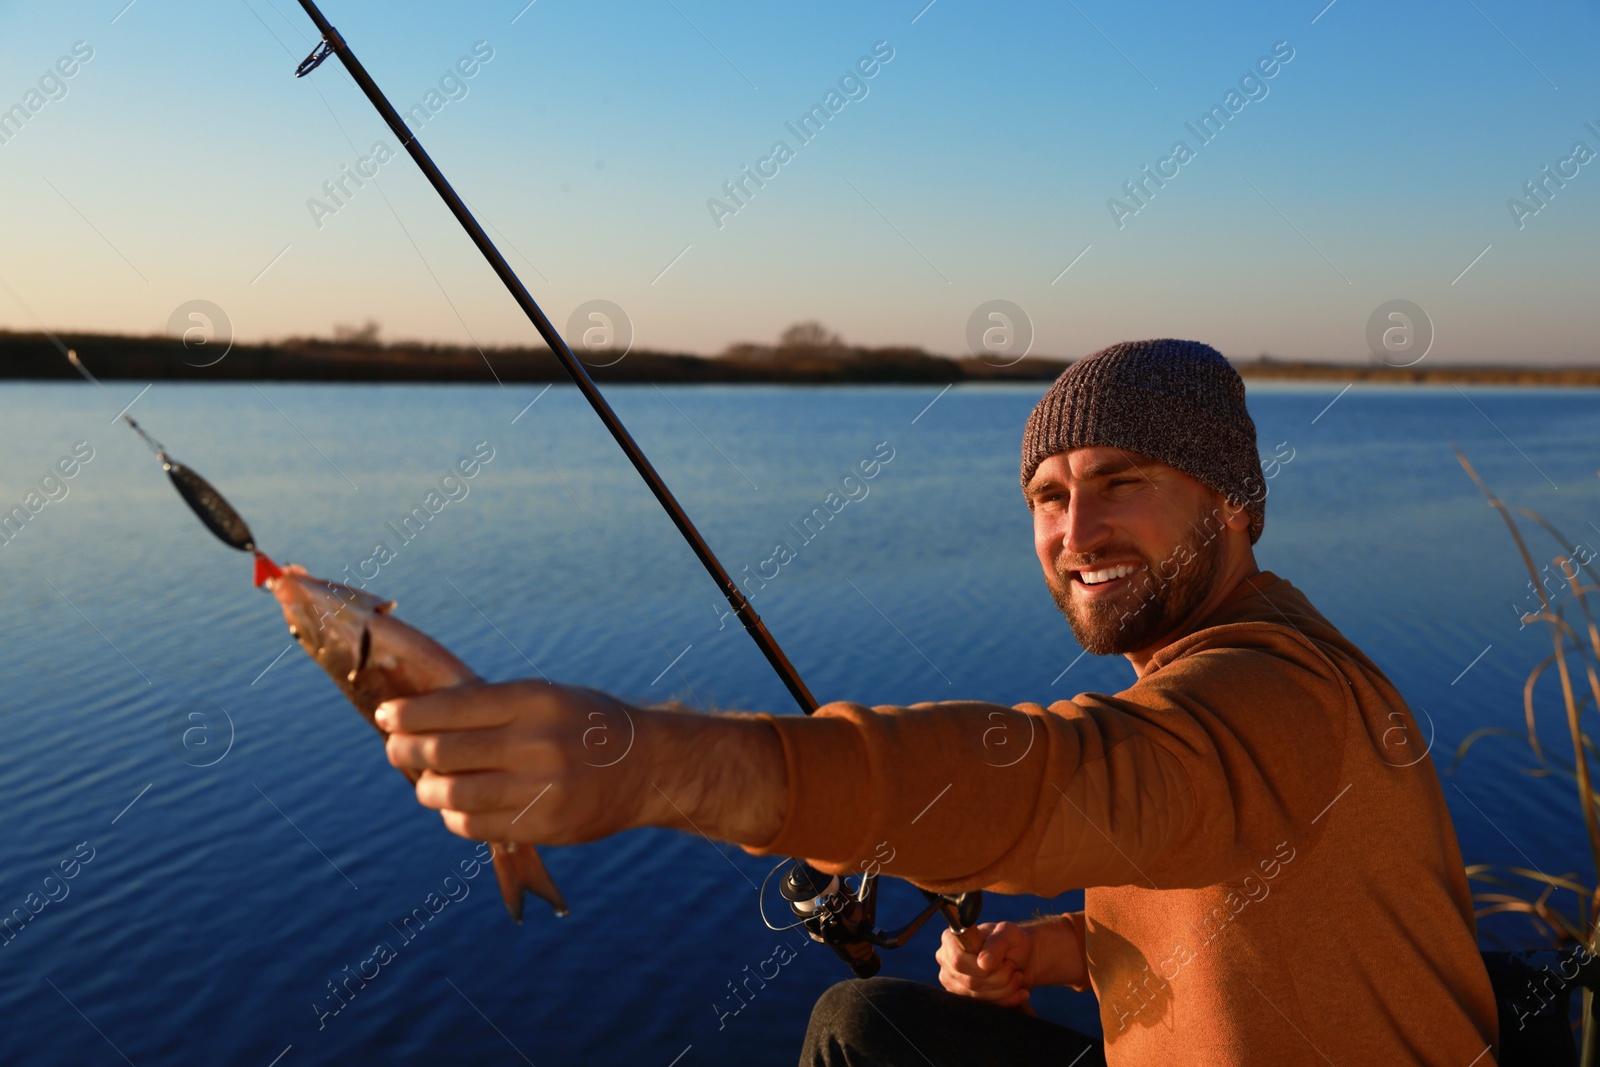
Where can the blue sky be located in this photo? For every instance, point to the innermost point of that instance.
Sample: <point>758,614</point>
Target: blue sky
<point>180,162</point>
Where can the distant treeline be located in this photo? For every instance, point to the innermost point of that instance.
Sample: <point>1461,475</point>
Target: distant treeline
<point>109,356</point>
<point>1422,373</point>
<point>314,360</point>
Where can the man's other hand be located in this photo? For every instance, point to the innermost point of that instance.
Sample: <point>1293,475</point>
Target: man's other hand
<point>1001,972</point>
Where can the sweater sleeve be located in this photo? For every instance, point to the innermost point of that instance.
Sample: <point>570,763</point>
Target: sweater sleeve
<point>1075,919</point>
<point>1181,781</point>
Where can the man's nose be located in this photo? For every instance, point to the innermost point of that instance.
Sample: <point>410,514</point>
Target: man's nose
<point>1086,526</point>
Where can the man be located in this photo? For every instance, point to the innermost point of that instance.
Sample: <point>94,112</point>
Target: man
<point>1271,874</point>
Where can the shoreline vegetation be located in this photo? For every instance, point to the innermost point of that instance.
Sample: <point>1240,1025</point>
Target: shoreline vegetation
<point>812,358</point>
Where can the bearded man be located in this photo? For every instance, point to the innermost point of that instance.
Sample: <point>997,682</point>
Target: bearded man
<point>1271,875</point>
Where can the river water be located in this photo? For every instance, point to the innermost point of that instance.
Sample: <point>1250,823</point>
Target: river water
<point>238,843</point>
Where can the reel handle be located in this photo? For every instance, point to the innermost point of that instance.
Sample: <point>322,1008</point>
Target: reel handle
<point>970,937</point>
<point>962,915</point>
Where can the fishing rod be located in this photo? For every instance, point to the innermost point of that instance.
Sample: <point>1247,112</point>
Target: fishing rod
<point>334,44</point>
<point>831,912</point>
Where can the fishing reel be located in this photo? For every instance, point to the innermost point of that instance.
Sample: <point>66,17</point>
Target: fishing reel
<point>845,918</point>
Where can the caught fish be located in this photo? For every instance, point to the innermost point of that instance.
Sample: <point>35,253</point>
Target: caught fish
<point>351,634</point>
<point>374,657</point>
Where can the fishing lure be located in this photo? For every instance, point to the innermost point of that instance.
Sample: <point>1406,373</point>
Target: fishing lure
<point>351,634</point>
<point>218,515</point>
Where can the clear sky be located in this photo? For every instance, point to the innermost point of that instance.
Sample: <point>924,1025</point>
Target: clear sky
<point>181,161</point>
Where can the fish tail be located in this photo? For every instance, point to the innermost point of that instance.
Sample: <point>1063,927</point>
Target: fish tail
<point>518,868</point>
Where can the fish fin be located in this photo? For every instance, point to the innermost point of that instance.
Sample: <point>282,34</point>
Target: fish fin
<point>363,650</point>
<point>510,887</point>
<point>518,868</point>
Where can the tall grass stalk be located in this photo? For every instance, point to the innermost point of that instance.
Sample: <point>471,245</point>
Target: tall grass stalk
<point>1569,648</point>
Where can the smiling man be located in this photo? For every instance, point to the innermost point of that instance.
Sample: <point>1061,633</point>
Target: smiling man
<point>1271,874</point>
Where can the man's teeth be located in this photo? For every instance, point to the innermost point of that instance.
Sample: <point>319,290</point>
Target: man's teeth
<point>1096,577</point>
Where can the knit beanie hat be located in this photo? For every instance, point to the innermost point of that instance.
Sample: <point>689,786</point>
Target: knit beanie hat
<point>1180,402</point>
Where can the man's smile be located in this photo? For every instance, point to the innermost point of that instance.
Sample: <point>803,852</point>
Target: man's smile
<point>1105,579</point>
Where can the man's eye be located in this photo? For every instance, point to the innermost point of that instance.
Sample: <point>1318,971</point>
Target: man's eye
<point>1117,482</point>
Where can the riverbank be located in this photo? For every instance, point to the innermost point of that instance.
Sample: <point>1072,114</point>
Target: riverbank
<point>115,357</point>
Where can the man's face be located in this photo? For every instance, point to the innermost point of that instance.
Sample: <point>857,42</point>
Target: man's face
<point>1130,547</point>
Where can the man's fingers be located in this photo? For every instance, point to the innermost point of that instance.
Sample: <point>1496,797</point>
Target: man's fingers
<point>961,971</point>
<point>996,973</point>
<point>449,752</point>
<point>998,983</point>
<point>953,957</point>
<point>506,824</point>
<point>462,707</point>
<point>1019,999</point>
<point>473,792</point>
<point>1007,941</point>
<point>497,806</point>
<point>999,939</point>
<point>1001,988</point>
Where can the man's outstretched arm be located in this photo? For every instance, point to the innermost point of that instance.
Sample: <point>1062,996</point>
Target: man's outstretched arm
<point>552,764</point>
<point>1192,777</point>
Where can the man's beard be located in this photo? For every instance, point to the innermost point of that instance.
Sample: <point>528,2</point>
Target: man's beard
<point>1148,607</point>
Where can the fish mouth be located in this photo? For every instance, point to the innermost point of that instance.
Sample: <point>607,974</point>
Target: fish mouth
<point>323,614</point>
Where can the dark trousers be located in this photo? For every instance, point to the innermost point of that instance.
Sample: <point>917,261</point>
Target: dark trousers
<point>890,1022</point>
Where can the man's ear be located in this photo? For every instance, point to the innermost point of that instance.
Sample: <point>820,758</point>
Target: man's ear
<point>1235,514</point>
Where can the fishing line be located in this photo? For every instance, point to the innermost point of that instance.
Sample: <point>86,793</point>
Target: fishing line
<point>209,506</point>
<point>218,515</point>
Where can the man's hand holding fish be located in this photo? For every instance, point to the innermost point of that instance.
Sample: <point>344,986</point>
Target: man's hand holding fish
<point>550,764</point>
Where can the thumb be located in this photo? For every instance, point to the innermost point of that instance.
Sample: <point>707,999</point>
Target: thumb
<point>1005,941</point>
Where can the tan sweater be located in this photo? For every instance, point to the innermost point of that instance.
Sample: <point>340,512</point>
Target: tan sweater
<point>1272,876</point>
